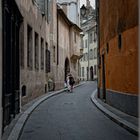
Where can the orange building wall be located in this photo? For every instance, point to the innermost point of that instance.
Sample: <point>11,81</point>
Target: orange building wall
<point>121,66</point>
<point>116,16</point>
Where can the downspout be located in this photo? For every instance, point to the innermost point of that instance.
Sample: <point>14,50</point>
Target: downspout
<point>98,46</point>
<point>57,40</point>
<point>2,66</point>
<point>88,58</point>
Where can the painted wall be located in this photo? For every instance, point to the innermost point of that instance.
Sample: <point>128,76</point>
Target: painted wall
<point>65,44</point>
<point>116,17</point>
<point>121,64</point>
<point>125,61</point>
<point>32,17</point>
<point>64,48</point>
<point>53,42</point>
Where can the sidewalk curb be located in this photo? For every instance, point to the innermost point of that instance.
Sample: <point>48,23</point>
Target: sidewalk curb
<point>123,123</point>
<point>15,133</point>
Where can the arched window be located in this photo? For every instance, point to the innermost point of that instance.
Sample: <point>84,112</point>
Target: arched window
<point>91,54</point>
<point>23,90</point>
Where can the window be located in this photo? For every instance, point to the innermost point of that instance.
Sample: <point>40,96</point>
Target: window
<point>95,53</point>
<point>21,46</point>
<point>95,36</point>
<point>87,70</point>
<point>75,37</point>
<point>82,71</point>
<point>91,54</point>
<point>29,48</point>
<point>44,7</point>
<point>90,37</point>
<point>82,43</point>
<point>86,43</point>
<point>47,60</point>
<point>47,10</point>
<point>95,69</point>
<point>84,57</point>
<point>23,90</point>
<point>54,54</point>
<point>36,51</point>
<point>119,41</point>
<point>42,54</point>
<point>45,88</point>
<point>107,48</point>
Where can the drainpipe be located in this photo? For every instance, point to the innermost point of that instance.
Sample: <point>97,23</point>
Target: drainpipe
<point>57,40</point>
<point>88,59</point>
<point>98,45</point>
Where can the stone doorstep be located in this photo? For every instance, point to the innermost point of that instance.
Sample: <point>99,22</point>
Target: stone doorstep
<point>22,117</point>
<point>122,122</point>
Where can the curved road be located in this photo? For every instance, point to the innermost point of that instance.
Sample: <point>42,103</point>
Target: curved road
<point>72,116</point>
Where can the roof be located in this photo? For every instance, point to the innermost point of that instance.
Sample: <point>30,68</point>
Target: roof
<point>70,23</point>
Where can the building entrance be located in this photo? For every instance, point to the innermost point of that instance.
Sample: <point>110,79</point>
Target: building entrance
<point>67,67</point>
<point>11,68</point>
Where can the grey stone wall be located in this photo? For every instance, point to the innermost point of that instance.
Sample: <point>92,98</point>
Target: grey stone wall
<point>125,102</point>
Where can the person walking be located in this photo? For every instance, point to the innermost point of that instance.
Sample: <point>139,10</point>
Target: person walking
<point>71,82</point>
<point>68,82</point>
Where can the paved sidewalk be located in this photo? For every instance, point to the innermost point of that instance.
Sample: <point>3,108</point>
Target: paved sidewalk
<point>14,129</point>
<point>128,122</point>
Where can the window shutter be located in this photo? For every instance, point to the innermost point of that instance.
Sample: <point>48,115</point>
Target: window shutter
<point>48,64</point>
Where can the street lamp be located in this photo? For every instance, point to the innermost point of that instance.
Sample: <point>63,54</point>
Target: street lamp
<point>83,10</point>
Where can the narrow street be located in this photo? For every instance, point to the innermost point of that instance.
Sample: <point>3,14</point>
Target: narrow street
<point>72,116</point>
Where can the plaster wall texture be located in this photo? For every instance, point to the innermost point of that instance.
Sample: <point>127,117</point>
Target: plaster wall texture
<point>121,65</point>
<point>34,80</point>
<point>116,17</point>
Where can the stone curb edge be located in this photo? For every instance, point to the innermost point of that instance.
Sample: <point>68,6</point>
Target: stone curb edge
<point>15,133</point>
<point>123,123</point>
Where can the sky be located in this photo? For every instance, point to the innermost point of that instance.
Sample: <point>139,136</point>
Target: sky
<point>92,2</point>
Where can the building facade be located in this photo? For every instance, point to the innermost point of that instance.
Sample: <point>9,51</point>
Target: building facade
<point>118,58</point>
<point>65,50</point>
<point>39,46</point>
<point>88,63</point>
<point>11,21</point>
<point>34,50</point>
<point>25,58</point>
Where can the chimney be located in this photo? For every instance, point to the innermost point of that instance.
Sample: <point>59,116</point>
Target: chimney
<point>88,3</point>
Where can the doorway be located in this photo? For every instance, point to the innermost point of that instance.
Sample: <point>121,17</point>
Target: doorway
<point>91,73</point>
<point>103,78</point>
<point>67,68</point>
<point>11,67</point>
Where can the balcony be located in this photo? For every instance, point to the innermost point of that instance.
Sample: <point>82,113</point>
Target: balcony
<point>81,52</point>
<point>75,54</point>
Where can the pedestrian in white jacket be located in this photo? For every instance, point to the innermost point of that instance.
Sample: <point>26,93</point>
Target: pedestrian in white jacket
<point>68,83</point>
